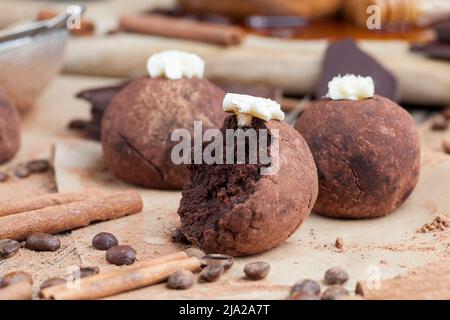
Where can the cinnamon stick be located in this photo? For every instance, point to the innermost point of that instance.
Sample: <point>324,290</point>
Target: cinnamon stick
<point>44,201</point>
<point>160,25</point>
<point>69,216</point>
<point>124,280</point>
<point>87,28</point>
<point>17,291</point>
<point>431,282</point>
<point>49,292</point>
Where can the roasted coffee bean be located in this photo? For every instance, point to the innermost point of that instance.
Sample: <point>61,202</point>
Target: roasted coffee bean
<point>194,252</point>
<point>88,272</point>
<point>212,272</point>
<point>179,237</point>
<point>38,165</point>
<point>215,258</point>
<point>298,296</point>
<point>439,123</point>
<point>306,287</point>
<point>51,282</point>
<point>42,242</point>
<point>121,255</point>
<point>22,172</point>
<point>257,270</point>
<point>181,280</point>
<point>104,241</point>
<point>3,176</point>
<point>15,277</point>
<point>8,248</point>
<point>334,292</point>
<point>336,276</point>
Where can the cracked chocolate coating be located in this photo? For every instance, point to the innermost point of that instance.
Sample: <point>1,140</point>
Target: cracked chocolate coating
<point>9,128</point>
<point>233,209</point>
<point>367,155</point>
<point>138,124</point>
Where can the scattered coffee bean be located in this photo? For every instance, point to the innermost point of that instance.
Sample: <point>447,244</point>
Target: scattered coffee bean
<point>181,280</point>
<point>446,145</point>
<point>22,172</point>
<point>194,252</point>
<point>42,242</point>
<point>214,258</point>
<point>121,255</point>
<point>88,271</point>
<point>298,296</point>
<point>51,282</point>
<point>212,272</point>
<point>104,241</point>
<point>15,277</point>
<point>37,166</point>
<point>334,292</point>
<point>257,270</point>
<point>179,237</point>
<point>3,176</point>
<point>8,248</point>
<point>78,124</point>
<point>336,276</point>
<point>306,287</point>
<point>439,123</point>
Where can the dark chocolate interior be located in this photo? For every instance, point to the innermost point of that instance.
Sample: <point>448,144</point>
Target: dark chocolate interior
<point>215,189</point>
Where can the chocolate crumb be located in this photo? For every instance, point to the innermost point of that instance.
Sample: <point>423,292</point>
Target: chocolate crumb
<point>439,123</point>
<point>339,243</point>
<point>446,146</point>
<point>439,223</point>
<point>3,176</point>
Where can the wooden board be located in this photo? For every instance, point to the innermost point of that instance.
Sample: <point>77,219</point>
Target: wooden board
<point>390,244</point>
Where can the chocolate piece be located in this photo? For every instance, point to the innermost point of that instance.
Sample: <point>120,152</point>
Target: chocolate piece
<point>437,50</point>
<point>100,97</point>
<point>235,210</point>
<point>344,57</point>
<point>78,124</point>
<point>9,128</point>
<point>367,154</point>
<point>138,124</point>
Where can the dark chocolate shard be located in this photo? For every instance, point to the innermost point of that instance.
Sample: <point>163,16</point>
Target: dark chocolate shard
<point>100,97</point>
<point>344,57</point>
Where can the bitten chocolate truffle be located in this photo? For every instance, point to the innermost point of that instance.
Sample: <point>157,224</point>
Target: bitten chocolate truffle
<point>233,209</point>
<point>9,128</point>
<point>137,127</point>
<point>367,154</point>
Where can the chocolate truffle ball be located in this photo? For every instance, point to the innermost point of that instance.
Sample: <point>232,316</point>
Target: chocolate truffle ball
<point>367,154</point>
<point>233,209</point>
<point>9,128</point>
<point>138,124</point>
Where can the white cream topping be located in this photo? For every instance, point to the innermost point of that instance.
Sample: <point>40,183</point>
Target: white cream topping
<point>174,64</point>
<point>245,107</point>
<point>350,87</point>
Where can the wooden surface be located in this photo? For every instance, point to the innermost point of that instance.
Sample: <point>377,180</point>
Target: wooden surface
<point>390,244</point>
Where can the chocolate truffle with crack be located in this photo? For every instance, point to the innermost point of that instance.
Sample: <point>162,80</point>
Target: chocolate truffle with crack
<point>9,128</point>
<point>367,154</point>
<point>137,127</point>
<point>233,209</point>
